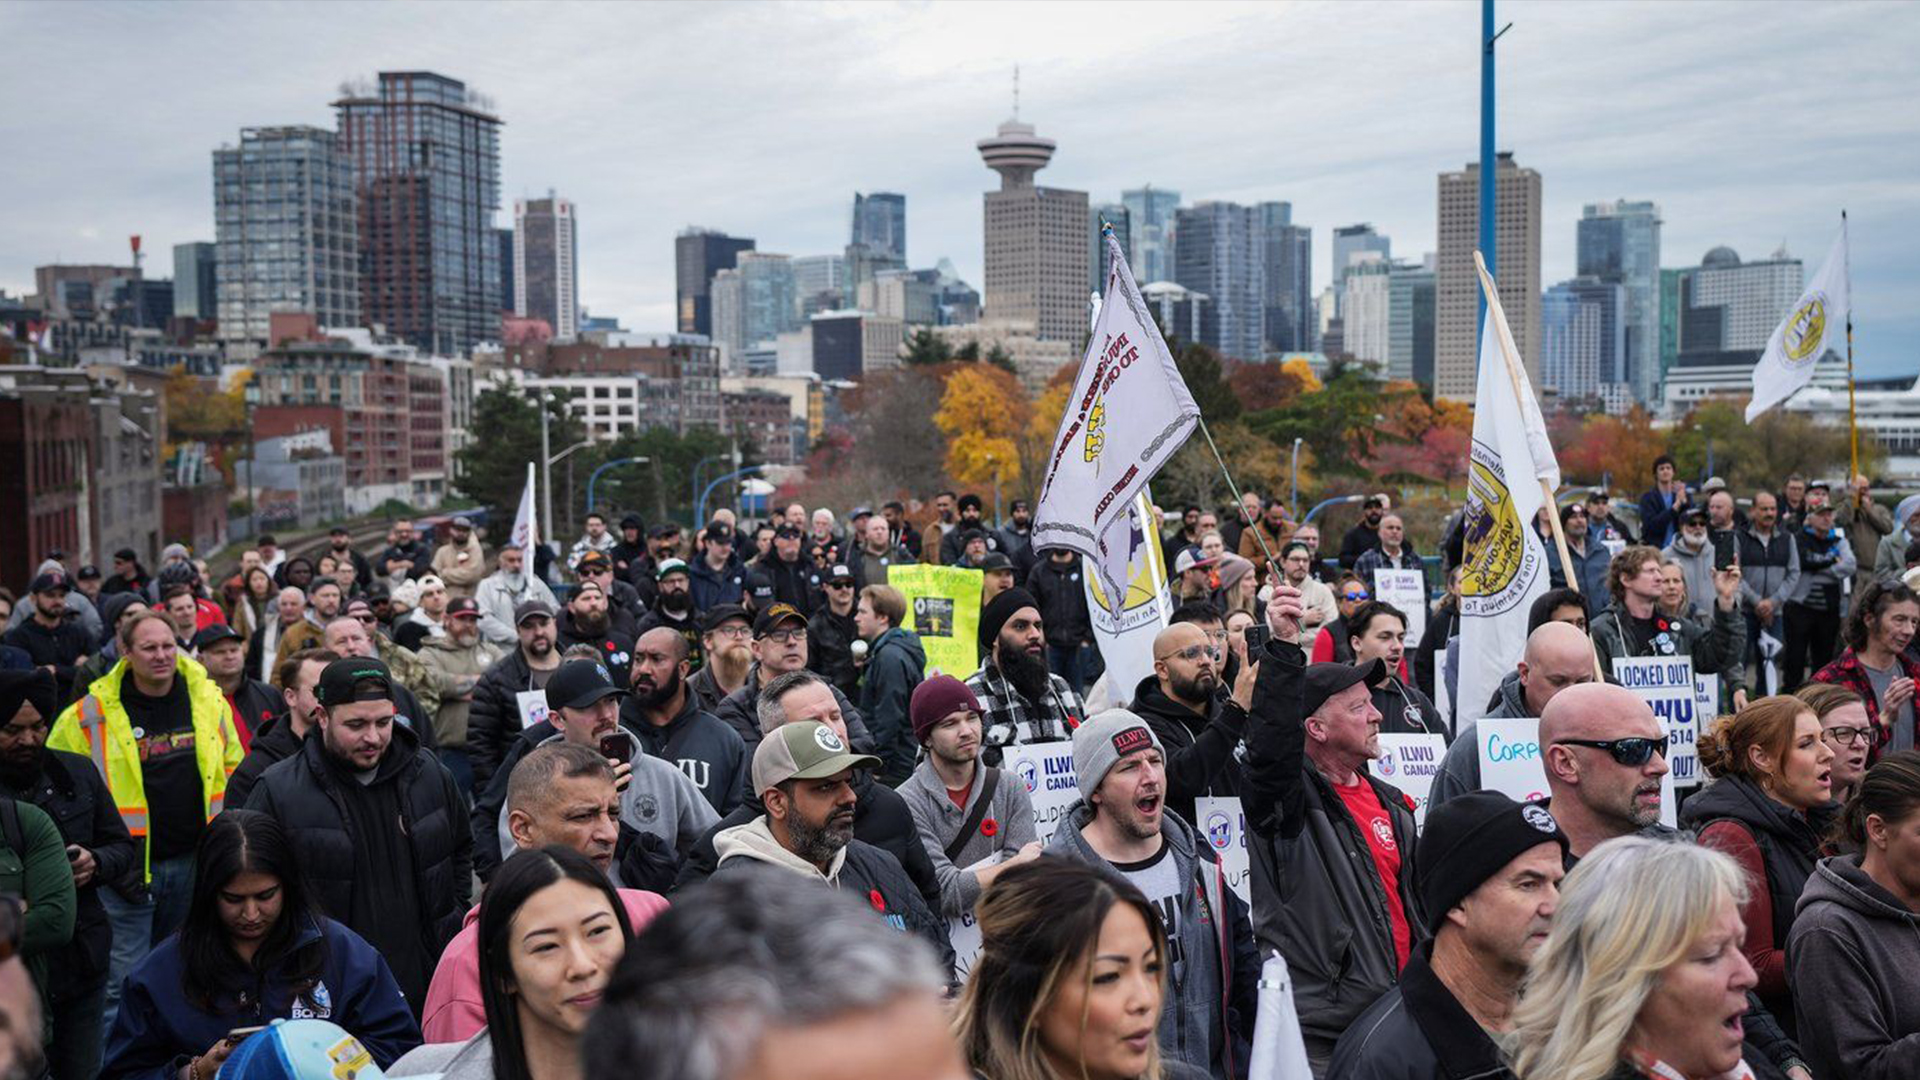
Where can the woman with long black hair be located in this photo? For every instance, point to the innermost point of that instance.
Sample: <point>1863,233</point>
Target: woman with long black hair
<point>552,929</point>
<point>253,949</point>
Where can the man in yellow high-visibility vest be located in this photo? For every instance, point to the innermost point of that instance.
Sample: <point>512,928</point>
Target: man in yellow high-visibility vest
<point>162,735</point>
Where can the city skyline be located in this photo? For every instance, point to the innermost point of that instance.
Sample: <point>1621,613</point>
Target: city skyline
<point>1689,107</point>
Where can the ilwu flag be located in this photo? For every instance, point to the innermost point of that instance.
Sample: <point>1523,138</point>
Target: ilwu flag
<point>1125,631</point>
<point>526,531</point>
<point>1129,412</point>
<point>1505,562</point>
<point>1817,324</point>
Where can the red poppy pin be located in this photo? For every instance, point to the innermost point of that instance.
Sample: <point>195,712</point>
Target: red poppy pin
<point>879,902</point>
<point>1662,624</point>
<point>989,827</point>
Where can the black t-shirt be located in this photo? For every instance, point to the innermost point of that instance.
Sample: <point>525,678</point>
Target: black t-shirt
<point>1656,636</point>
<point>170,770</point>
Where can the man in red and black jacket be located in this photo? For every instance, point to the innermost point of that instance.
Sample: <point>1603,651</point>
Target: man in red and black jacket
<point>223,652</point>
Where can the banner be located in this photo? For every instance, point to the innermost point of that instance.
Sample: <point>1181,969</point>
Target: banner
<point>1816,326</point>
<point>1125,637</point>
<point>1667,685</point>
<point>1279,1046</point>
<point>1505,564</point>
<point>943,607</point>
<point>1047,770</point>
<point>1222,825</point>
<point>526,529</point>
<point>1410,762</point>
<point>1129,412</point>
<point>1511,763</point>
<point>1406,590</point>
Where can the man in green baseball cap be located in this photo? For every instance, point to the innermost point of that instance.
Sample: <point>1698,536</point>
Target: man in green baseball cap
<point>803,773</point>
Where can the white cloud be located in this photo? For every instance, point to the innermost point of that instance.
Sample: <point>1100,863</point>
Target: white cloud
<point>1749,124</point>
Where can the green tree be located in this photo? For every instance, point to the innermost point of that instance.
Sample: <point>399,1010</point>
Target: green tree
<point>1206,381</point>
<point>926,348</point>
<point>661,488</point>
<point>1340,422</point>
<point>493,466</point>
<point>998,357</point>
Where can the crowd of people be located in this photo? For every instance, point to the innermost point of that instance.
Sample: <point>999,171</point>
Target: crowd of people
<point>695,798</point>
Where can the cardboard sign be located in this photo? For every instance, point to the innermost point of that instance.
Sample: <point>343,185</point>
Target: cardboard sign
<point>943,609</point>
<point>1222,825</point>
<point>1511,763</point>
<point>1667,685</point>
<point>1047,770</point>
<point>533,707</point>
<point>1410,762</point>
<point>964,932</point>
<point>1406,590</point>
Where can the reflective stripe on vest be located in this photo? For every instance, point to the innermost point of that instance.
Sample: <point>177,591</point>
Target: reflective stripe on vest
<point>93,720</point>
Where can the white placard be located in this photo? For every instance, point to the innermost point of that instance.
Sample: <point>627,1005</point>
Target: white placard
<point>533,707</point>
<point>964,931</point>
<point>1047,770</point>
<point>1223,826</point>
<point>1406,590</point>
<point>1410,762</point>
<point>1706,692</point>
<point>1667,685</point>
<point>1510,762</point>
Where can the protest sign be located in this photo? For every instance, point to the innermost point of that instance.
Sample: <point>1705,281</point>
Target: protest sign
<point>1410,762</point>
<point>1406,590</point>
<point>1667,685</point>
<point>1223,826</point>
<point>1511,763</point>
<point>943,608</point>
<point>1047,770</point>
<point>532,705</point>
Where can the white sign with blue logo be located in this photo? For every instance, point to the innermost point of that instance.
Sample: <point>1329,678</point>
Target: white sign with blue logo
<point>1047,770</point>
<point>1410,762</point>
<point>1407,591</point>
<point>1223,826</point>
<point>1511,763</point>
<point>1667,685</point>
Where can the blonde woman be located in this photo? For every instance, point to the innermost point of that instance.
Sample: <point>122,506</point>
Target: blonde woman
<point>1069,981</point>
<point>1642,976</point>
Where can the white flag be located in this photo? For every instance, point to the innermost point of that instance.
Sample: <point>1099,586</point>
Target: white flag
<point>1129,412</point>
<point>1816,325</point>
<point>1505,560</point>
<point>526,531</point>
<point>1279,1046</point>
<point>1125,631</point>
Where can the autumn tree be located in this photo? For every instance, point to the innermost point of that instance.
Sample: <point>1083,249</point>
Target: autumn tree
<point>1715,437</point>
<point>984,416</point>
<point>1272,384</point>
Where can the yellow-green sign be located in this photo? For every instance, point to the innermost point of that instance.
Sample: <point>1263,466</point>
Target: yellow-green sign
<point>943,607</point>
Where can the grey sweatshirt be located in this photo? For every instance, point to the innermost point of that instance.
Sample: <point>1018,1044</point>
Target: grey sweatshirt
<point>470,1060</point>
<point>1853,961</point>
<point>938,820</point>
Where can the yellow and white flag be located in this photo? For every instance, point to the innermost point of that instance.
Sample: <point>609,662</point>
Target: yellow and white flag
<point>1816,326</point>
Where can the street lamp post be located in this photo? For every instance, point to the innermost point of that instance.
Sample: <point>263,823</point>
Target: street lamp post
<point>1294,508</point>
<point>603,468</point>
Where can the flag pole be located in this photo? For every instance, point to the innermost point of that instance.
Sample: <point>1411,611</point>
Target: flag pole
<point>1156,567</point>
<point>1853,421</point>
<point>1252,525</point>
<point>1509,352</point>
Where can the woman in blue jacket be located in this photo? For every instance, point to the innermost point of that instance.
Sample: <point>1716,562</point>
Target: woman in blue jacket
<point>253,949</point>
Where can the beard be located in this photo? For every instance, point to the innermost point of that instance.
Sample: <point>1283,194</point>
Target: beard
<point>19,773</point>
<point>1199,688</point>
<point>594,625</point>
<point>660,695</point>
<point>677,603</point>
<point>1024,670</point>
<point>818,844</point>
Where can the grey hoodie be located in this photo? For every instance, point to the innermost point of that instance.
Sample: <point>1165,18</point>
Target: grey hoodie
<point>1208,1019</point>
<point>470,1060</point>
<point>1853,961</point>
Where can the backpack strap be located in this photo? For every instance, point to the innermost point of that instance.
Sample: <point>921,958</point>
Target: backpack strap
<point>988,785</point>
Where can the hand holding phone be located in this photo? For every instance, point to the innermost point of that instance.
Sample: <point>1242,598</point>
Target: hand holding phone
<point>617,745</point>
<point>1724,557</point>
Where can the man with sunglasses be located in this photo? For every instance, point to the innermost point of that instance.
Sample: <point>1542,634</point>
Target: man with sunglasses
<point>1334,644</point>
<point>622,599</point>
<point>831,632</point>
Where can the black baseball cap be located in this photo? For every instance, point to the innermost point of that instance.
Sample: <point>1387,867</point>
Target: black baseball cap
<point>127,555</point>
<point>1694,516</point>
<point>578,684</point>
<point>787,532</point>
<point>723,613</point>
<point>338,530</point>
<point>88,572</point>
<point>528,609</point>
<point>994,560</point>
<point>214,635</point>
<point>840,573</point>
<point>719,532</point>
<point>51,581</point>
<point>1325,680</point>
<point>340,683</point>
<point>771,617</point>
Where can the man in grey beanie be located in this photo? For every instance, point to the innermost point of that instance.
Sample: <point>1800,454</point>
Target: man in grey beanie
<point>1121,826</point>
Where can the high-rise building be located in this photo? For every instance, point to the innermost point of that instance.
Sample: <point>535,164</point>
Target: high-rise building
<point>1410,338</point>
<point>546,263</point>
<point>1180,311</point>
<point>1118,216</point>
<point>819,284</point>
<point>880,223</point>
<point>507,284</point>
<point>1516,271</point>
<point>753,303</point>
<point>1583,339</point>
<point>1619,242</point>
<point>1349,243</point>
<point>698,254</point>
<point>1036,240</point>
<point>1729,306</point>
<point>194,270</point>
<point>1220,250</point>
<point>426,164</point>
<point>1367,313</point>
<point>1289,278</point>
<point>286,231</point>
<point>1150,223</point>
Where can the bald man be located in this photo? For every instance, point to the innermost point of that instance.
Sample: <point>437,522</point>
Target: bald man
<point>1602,793</point>
<point>1558,656</point>
<point>1197,728</point>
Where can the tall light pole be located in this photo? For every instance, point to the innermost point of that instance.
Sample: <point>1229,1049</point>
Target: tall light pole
<point>1293,510</point>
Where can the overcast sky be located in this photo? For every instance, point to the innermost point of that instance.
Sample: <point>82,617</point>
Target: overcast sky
<point>1750,124</point>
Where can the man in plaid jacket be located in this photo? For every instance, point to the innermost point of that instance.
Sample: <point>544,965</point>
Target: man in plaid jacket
<point>1020,700</point>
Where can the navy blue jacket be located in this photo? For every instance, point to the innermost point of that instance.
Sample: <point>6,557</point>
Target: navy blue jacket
<point>158,1030</point>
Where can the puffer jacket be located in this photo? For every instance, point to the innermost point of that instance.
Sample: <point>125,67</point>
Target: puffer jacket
<point>830,641</point>
<point>493,715</point>
<point>1854,962</point>
<point>1208,1021</point>
<point>895,666</point>
<point>1317,897</point>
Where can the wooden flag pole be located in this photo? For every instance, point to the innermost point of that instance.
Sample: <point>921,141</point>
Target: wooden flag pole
<point>1511,353</point>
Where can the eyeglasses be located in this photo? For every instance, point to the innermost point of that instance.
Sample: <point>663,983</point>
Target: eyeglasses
<point>1359,594</point>
<point>1633,752</point>
<point>1842,736</point>
<point>785,637</point>
<point>839,584</point>
<point>734,630</point>
<point>1192,653</point>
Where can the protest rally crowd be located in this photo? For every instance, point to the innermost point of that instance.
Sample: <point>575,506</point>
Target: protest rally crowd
<point>696,804</point>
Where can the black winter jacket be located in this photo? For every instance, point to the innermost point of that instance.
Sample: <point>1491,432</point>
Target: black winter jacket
<point>698,744</point>
<point>740,710</point>
<point>771,581</point>
<point>1316,895</point>
<point>1199,749</point>
<point>880,818</point>
<point>1404,710</point>
<point>830,641</point>
<point>70,789</point>
<point>613,646</point>
<point>493,720</point>
<point>1417,1031</point>
<point>273,742</point>
<point>1063,602</point>
<point>305,792</point>
<point>60,647</point>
